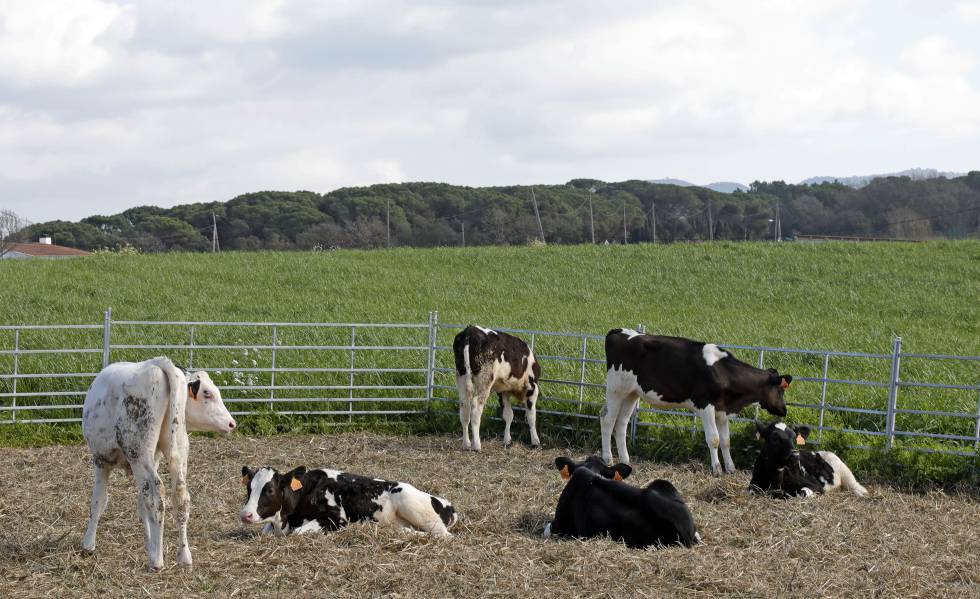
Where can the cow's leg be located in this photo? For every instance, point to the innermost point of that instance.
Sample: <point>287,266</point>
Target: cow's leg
<point>532,421</point>
<point>181,499</point>
<point>721,420</point>
<point>607,422</point>
<point>507,412</point>
<point>465,385</point>
<point>483,389</point>
<point>151,510</point>
<point>100,498</point>
<point>622,421</point>
<point>711,437</point>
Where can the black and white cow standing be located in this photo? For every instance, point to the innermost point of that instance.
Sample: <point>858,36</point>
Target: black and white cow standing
<point>134,415</point>
<point>595,503</point>
<point>783,471</point>
<point>302,501</point>
<point>679,373</point>
<point>490,361</point>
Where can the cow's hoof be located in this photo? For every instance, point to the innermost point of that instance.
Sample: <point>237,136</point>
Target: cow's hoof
<point>716,471</point>
<point>154,568</point>
<point>184,558</point>
<point>536,445</point>
<point>508,445</point>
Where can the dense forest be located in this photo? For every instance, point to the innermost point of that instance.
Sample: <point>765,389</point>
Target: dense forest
<point>438,214</point>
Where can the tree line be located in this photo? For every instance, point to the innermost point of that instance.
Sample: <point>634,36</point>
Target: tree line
<point>439,214</point>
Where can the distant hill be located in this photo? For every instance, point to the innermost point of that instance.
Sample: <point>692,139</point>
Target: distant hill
<point>719,186</point>
<point>859,181</point>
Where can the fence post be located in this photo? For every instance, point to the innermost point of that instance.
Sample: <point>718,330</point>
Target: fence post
<point>976,430</point>
<point>190,350</point>
<point>641,329</point>
<point>350,379</point>
<point>13,404</point>
<point>430,359</point>
<point>892,393</point>
<point>823,397</point>
<point>581,373</point>
<point>106,326</point>
<point>272,375</point>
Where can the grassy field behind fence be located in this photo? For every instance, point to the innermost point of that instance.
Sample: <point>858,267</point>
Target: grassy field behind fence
<point>833,296</point>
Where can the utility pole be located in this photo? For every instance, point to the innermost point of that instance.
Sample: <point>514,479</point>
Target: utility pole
<point>462,232</point>
<point>653,214</point>
<point>625,241</point>
<point>537,216</point>
<point>388,219</point>
<point>711,224</point>
<point>776,232</point>
<point>214,233</point>
<point>591,220</point>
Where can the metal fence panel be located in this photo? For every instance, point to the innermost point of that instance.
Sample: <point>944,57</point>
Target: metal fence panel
<point>895,400</point>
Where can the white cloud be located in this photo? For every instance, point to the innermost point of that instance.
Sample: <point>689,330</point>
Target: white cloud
<point>174,102</point>
<point>63,41</point>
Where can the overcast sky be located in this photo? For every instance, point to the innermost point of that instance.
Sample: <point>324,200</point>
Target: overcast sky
<point>106,104</point>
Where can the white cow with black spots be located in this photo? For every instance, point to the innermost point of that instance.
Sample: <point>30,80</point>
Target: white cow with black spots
<point>134,415</point>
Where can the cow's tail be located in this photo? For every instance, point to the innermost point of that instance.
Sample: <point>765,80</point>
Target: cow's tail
<point>176,386</point>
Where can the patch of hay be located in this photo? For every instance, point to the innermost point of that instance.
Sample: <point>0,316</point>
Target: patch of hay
<point>837,545</point>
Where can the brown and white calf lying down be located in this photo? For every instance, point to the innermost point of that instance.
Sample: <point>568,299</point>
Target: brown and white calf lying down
<point>302,501</point>
<point>783,471</point>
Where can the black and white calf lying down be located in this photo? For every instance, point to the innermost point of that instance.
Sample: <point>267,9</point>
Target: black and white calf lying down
<point>596,503</point>
<point>301,501</point>
<point>783,471</point>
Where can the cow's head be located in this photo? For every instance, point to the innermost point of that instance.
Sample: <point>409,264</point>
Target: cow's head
<point>205,409</point>
<point>269,496</point>
<point>567,468</point>
<point>779,442</point>
<point>773,391</point>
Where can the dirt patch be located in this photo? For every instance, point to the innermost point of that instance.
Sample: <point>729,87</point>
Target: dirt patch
<point>889,544</point>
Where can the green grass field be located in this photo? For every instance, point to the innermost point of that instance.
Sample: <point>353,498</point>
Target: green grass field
<point>833,296</point>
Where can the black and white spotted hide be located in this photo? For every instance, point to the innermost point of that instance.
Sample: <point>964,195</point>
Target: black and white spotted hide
<point>301,501</point>
<point>783,471</point>
<point>489,361</point>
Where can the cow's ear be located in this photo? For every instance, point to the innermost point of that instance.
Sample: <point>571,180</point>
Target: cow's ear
<point>621,471</point>
<point>193,388</point>
<point>565,466</point>
<point>760,429</point>
<point>802,432</point>
<point>295,474</point>
<point>247,473</point>
<point>773,376</point>
<point>785,381</point>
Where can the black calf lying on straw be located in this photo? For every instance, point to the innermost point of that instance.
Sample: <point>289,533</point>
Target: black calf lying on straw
<point>595,503</point>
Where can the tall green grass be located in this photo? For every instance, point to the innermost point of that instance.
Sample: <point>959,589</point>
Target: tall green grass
<point>835,296</point>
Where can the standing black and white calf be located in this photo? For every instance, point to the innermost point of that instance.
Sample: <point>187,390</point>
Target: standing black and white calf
<point>679,373</point>
<point>595,503</point>
<point>302,501</point>
<point>784,471</point>
<point>135,414</point>
<point>488,361</point>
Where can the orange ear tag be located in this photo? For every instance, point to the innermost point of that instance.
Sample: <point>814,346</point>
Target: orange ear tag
<point>564,472</point>
<point>783,384</point>
<point>295,485</point>
<point>800,440</point>
<point>617,476</point>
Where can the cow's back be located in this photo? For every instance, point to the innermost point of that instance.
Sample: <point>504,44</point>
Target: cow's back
<point>671,366</point>
<point>125,397</point>
<point>486,346</point>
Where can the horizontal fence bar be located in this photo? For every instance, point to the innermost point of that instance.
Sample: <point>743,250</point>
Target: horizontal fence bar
<point>47,327</point>
<point>68,350</point>
<point>312,325</point>
<point>266,400</point>
<point>276,347</point>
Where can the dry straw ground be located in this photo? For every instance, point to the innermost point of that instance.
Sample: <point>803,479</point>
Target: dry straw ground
<point>891,544</point>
